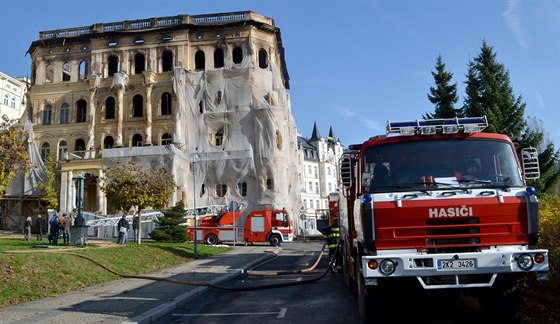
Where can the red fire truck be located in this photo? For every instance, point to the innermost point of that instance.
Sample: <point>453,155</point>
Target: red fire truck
<point>267,225</point>
<point>441,205</point>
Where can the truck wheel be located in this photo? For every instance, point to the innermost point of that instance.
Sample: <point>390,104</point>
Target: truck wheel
<point>275,240</point>
<point>211,239</point>
<point>370,303</point>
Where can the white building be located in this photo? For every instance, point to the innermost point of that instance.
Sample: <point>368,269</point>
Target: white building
<point>12,94</point>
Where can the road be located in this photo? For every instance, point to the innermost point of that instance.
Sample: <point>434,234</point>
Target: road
<point>323,301</point>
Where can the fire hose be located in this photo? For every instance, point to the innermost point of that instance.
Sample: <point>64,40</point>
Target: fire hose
<point>211,285</point>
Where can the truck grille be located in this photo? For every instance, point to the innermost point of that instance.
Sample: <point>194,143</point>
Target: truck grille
<point>461,233</point>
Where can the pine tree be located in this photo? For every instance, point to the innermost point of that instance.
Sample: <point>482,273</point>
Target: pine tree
<point>169,228</point>
<point>444,94</point>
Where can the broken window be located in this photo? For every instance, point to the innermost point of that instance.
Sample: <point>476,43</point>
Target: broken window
<point>137,140</point>
<point>49,73</point>
<point>110,108</point>
<point>218,58</point>
<point>62,150</point>
<point>45,150</point>
<point>263,59</point>
<point>83,70</point>
<point>113,65</point>
<point>81,111</point>
<point>139,63</point>
<point>166,104</point>
<point>66,70</point>
<point>167,61</point>
<point>166,139</point>
<point>237,55</point>
<point>108,142</point>
<point>137,106</point>
<point>199,60</point>
<point>221,189</point>
<point>47,115</point>
<point>64,113</point>
<point>242,188</point>
<point>80,145</point>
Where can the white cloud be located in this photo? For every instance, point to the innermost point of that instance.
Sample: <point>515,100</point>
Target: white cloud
<point>345,111</point>
<point>511,15</point>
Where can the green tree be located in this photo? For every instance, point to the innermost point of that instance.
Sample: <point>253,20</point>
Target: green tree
<point>50,188</point>
<point>127,186</point>
<point>13,151</point>
<point>169,228</point>
<point>444,94</point>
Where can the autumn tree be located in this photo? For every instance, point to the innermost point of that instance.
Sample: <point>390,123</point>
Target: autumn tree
<point>13,151</point>
<point>127,186</point>
<point>444,94</point>
<point>50,188</point>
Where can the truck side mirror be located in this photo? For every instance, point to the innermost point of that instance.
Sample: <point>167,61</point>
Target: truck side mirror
<point>530,163</point>
<point>346,172</point>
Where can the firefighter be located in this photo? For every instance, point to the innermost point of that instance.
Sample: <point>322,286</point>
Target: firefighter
<point>332,235</point>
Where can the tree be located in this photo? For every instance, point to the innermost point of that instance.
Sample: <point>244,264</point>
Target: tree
<point>169,229</point>
<point>443,95</point>
<point>13,151</point>
<point>127,186</point>
<point>50,187</point>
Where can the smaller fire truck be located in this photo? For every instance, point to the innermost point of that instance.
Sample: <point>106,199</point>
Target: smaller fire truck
<point>267,225</point>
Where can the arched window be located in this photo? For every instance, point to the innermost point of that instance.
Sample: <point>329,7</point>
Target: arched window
<point>137,140</point>
<point>237,55</point>
<point>110,108</point>
<point>45,151</point>
<point>81,111</point>
<point>199,60</point>
<point>6,100</point>
<point>64,113</point>
<point>166,139</point>
<point>242,188</point>
<point>218,58</point>
<point>66,71</point>
<point>113,64</point>
<point>166,104</point>
<point>83,70</point>
<point>263,59</point>
<point>139,63</point>
<point>47,115</point>
<point>137,106</point>
<point>167,61</point>
<point>221,189</point>
<point>80,145</point>
<point>108,142</point>
<point>13,102</point>
<point>62,150</point>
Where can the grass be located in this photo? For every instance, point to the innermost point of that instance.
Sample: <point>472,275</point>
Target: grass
<point>26,277</point>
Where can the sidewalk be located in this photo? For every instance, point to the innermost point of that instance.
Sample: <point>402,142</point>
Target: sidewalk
<point>136,300</point>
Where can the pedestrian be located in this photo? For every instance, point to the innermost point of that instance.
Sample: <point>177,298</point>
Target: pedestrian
<point>53,230</point>
<point>39,226</point>
<point>67,225</point>
<point>135,228</point>
<point>122,227</point>
<point>332,235</point>
<point>27,228</point>
<point>62,230</point>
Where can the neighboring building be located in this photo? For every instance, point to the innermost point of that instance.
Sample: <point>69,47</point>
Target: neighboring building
<point>12,96</point>
<point>204,97</point>
<point>318,158</point>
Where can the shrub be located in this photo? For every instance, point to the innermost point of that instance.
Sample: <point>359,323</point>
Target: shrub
<point>550,235</point>
<point>169,228</point>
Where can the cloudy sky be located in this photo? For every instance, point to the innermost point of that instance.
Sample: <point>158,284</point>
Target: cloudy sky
<point>353,64</point>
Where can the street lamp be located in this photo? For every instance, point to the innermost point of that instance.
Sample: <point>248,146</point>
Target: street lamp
<point>194,208</point>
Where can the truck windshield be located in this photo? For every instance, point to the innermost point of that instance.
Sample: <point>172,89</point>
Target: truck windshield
<point>440,165</point>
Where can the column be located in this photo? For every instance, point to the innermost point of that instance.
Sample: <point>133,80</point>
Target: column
<point>120,111</point>
<point>148,80</point>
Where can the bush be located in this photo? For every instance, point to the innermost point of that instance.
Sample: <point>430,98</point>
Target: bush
<point>169,229</point>
<point>550,235</point>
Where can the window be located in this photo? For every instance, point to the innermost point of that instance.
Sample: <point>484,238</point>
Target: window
<point>316,187</point>
<point>80,145</point>
<point>310,186</point>
<point>201,106</point>
<point>218,58</point>
<point>137,106</point>
<point>221,189</point>
<point>242,188</point>
<point>199,60</point>
<point>13,102</point>
<point>108,142</point>
<point>263,59</point>
<point>166,139</point>
<point>66,71</point>
<point>62,150</point>
<point>202,190</point>
<point>6,100</point>
<point>166,104</point>
<point>269,184</point>
<point>110,108</point>
<point>139,63</point>
<point>137,140</point>
<point>82,70</point>
<point>219,140</point>
<point>305,203</point>
<point>45,150</point>
<point>167,61</point>
<point>47,114</point>
<point>237,55</point>
<point>113,64</point>
<point>81,111</point>
<point>64,113</point>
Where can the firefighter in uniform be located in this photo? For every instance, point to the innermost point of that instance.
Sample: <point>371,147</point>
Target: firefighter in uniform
<point>332,235</point>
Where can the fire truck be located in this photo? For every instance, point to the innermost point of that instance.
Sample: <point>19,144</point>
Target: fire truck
<point>267,225</point>
<point>439,205</point>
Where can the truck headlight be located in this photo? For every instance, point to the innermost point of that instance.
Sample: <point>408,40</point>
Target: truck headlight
<point>387,267</point>
<point>525,261</point>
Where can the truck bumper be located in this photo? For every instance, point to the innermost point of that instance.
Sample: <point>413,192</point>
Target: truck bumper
<point>455,270</point>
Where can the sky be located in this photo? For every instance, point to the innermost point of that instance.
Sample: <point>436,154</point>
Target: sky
<point>353,64</point>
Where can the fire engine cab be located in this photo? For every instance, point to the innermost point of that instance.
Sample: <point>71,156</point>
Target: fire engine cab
<point>438,204</point>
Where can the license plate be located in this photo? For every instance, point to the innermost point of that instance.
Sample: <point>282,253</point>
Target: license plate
<point>456,264</point>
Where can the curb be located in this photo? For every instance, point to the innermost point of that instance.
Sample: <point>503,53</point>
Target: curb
<point>179,301</point>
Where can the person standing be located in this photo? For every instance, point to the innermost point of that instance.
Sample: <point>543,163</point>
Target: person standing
<point>53,230</point>
<point>135,228</point>
<point>122,227</point>
<point>39,226</point>
<point>67,225</point>
<point>27,228</point>
<point>332,235</point>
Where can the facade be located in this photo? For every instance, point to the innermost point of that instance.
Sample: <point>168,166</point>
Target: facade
<point>318,175</point>
<point>205,97</point>
<point>12,94</point>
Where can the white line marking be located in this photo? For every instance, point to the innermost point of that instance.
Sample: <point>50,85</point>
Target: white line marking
<point>282,313</point>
